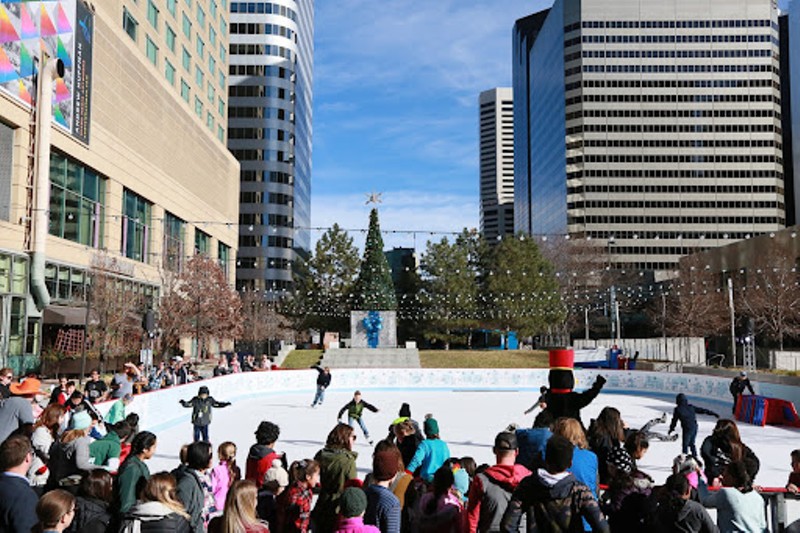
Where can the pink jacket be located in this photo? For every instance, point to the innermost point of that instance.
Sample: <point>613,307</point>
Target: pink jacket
<point>354,525</point>
<point>220,481</point>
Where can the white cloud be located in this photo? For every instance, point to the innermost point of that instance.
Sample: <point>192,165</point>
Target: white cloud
<point>431,217</point>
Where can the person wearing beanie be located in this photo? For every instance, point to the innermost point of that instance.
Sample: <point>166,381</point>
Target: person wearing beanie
<point>431,453</point>
<point>355,410</point>
<point>117,411</point>
<point>202,406</point>
<point>383,507</point>
<point>402,415</point>
<point>491,489</point>
<point>352,505</point>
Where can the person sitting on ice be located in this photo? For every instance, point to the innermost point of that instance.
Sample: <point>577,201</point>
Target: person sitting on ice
<point>686,413</point>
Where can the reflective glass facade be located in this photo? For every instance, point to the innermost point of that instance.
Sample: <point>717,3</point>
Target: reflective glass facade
<point>653,125</point>
<point>793,77</point>
<point>269,126</point>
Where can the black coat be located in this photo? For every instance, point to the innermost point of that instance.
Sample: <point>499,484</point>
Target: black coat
<point>17,505</point>
<point>717,453</point>
<point>686,414</point>
<point>570,404</point>
<point>91,516</point>
<point>324,378</point>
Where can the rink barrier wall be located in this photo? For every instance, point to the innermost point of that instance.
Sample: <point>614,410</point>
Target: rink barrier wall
<point>160,409</point>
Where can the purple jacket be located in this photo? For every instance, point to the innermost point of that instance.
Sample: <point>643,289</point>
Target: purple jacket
<point>354,525</point>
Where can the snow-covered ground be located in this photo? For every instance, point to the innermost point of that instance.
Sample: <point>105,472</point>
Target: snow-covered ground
<point>468,420</point>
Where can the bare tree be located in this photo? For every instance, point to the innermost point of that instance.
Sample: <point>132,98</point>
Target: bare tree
<point>170,318</point>
<point>770,295</point>
<point>115,310</point>
<point>262,320</point>
<point>696,305</point>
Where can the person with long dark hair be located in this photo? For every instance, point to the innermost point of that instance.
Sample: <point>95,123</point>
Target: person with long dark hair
<point>606,433</point>
<point>678,512</point>
<point>724,446</point>
<point>133,473</point>
<point>441,511</point>
<point>95,495</point>
<point>194,488</point>
<point>739,507</point>
<point>45,432</point>
<point>337,462</point>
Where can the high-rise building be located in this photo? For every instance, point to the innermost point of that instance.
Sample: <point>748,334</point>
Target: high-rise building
<point>497,162</point>
<point>790,98</point>
<point>652,128</point>
<point>269,132</point>
<point>139,177</point>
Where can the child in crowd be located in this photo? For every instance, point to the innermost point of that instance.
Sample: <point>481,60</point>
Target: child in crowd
<point>294,504</point>
<point>117,412</point>
<point>793,485</point>
<point>225,473</point>
<point>276,479</point>
<point>352,506</point>
<point>202,406</point>
<point>355,410</point>
<point>686,413</point>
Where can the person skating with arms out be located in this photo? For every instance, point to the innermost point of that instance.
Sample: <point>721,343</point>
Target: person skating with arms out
<point>355,410</point>
<point>202,406</point>
<point>323,382</point>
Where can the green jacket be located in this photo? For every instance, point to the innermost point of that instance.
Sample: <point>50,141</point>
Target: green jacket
<point>104,449</point>
<point>337,466</point>
<point>116,414</point>
<point>130,474</point>
<point>354,409</point>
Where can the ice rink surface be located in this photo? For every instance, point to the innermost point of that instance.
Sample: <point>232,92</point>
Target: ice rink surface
<point>468,420</point>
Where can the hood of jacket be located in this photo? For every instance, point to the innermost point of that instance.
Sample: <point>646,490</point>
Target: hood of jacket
<point>680,399</point>
<point>150,511</point>
<point>546,486</point>
<point>507,476</point>
<point>335,455</point>
<point>259,451</point>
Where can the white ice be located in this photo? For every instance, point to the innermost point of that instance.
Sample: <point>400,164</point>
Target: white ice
<point>468,422</point>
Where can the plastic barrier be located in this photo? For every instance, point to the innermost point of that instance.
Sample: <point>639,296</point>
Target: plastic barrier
<point>761,410</point>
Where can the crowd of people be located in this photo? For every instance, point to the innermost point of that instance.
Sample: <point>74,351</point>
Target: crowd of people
<point>66,468</point>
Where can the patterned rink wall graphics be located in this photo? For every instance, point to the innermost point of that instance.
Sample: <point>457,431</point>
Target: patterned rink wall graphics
<point>157,409</point>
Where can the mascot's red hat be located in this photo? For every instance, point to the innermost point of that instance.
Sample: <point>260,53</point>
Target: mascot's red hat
<point>561,378</point>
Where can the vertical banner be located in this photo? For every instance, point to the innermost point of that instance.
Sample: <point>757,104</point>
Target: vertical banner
<point>62,29</point>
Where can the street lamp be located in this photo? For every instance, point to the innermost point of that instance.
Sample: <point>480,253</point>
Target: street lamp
<point>615,333</point>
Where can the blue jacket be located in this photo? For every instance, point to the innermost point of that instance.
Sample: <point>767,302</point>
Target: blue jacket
<point>532,443</point>
<point>430,455</point>
<point>17,504</point>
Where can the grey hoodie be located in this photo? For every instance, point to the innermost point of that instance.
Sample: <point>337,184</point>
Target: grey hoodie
<point>153,517</point>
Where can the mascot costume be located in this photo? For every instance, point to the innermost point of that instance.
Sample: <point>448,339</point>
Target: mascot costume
<point>561,399</point>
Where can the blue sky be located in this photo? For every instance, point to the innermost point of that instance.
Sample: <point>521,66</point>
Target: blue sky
<point>396,87</point>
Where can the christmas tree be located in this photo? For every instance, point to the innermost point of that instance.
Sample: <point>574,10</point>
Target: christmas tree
<point>374,290</point>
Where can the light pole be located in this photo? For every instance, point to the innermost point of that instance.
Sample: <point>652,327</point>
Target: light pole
<point>733,318</point>
<point>613,296</point>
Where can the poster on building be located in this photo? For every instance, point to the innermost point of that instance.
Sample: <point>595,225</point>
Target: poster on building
<point>59,28</point>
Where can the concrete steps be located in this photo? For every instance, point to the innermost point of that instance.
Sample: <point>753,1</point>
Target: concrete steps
<point>371,358</point>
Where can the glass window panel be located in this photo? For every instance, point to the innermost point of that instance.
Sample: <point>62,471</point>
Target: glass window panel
<point>32,338</point>
<point>5,273</point>
<point>16,334</point>
<point>56,222</point>
<point>63,283</point>
<point>72,204</point>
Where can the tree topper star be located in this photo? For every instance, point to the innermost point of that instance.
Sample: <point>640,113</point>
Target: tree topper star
<point>374,198</point>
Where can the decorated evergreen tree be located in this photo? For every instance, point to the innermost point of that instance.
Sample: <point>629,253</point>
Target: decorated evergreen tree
<point>374,290</point>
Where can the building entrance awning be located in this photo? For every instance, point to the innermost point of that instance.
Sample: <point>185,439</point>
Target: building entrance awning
<point>64,315</point>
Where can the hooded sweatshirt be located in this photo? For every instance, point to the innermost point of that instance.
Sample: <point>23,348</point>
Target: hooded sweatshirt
<point>556,501</point>
<point>259,460</point>
<point>489,494</point>
<point>154,517</point>
<point>686,413</point>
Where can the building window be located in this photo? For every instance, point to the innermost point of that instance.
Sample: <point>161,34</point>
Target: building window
<point>201,16</point>
<point>185,91</point>
<point>198,106</point>
<point>212,64</point>
<point>211,93</point>
<point>212,37</point>
<point>151,50</point>
<point>223,27</point>
<point>222,80</point>
<point>201,48</point>
<point>169,72</point>
<point>135,226</point>
<point>221,106</point>
<point>170,38</point>
<point>171,6</point>
<point>173,242</point>
<point>220,133</point>
<point>187,60</point>
<point>198,76</point>
<point>202,242</point>
<point>210,121</point>
<point>77,199</point>
<point>224,257</point>
<point>129,24</point>
<point>213,10</point>
<point>152,14</point>
<point>222,53</point>
<point>187,27</point>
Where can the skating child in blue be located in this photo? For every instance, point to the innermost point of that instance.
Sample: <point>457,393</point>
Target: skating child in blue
<point>202,406</point>
<point>687,414</point>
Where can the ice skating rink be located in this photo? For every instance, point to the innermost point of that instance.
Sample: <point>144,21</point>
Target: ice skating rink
<point>468,419</point>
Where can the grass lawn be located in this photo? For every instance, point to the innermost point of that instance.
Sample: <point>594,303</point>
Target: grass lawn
<point>301,358</point>
<point>483,359</point>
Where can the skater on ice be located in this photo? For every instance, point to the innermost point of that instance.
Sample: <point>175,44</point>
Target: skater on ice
<point>355,411</point>
<point>202,406</point>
